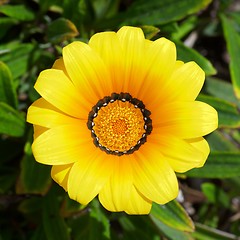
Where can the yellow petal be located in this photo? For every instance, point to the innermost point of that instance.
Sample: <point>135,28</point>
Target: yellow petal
<point>54,86</point>
<point>64,144</point>
<point>181,155</point>
<point>130,35</point>
<point>38,130</point>
<point>88,176</point>
<point>59,64</point>
<point>44,114</point>
<point>115,194</point>
<point>87,71</point>
<point>60,174</point>
<point>133,71</point>
<point>185,119</point>
<point>178,64</point>
<point>137,203</point>
<point>42,103</point>
<point>201,145</point>
<point>185,83</point>
<point>107,45</point>
<point>153,176</point>
<point>159,63</point>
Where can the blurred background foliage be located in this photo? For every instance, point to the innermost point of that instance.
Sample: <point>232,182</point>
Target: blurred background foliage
<point>32,34</point>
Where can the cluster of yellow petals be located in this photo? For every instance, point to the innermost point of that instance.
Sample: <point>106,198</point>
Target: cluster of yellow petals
<point>148,70</point>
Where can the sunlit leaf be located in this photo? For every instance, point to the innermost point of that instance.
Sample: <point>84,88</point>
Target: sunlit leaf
<point>19,12</point>
<point>185,27</point>
<point>161,12</point>
<point>221,89</point>
<point>12,122</point>
<point>156,12</point>
<point>7,91</point>
<point>169,232</point>
<point>204,232</point>
<point>173,215</point>
<point>218,165</point>
<point>233,45</point>
<point>60,30</point>
<point>150,31</point>
<point>17,57</point>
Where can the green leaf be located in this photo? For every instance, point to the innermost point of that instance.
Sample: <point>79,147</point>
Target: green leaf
<point>46,4</point>
<point>5,24</point>
<point>218,141</point>
<point>215,194</point>
<point>173,215</point>
<point>187,54</point>
<point>11,122</point>
<point>150,31</point>
<point>61,30</point>
<point>71,207</point>
<point>236,135</point>
<point>103,226</point>
<point>19,12</point>
<point>221,89</point>
<point>157,12</point>
<point>232,38</point>
<point>228,113</point>
<point>32,206</point>
<point>169,232</point>
<point>7,91</point>
<point>185,27</point>
<point>7,151</point>
<point>101,7</point>
<point>80,12</point>
<point>17,57</point>
<point>7,179</point>
<point>53,224</point>
<point>95,224</point>
<point>39,234</point>
<point>34,177</point>
<point>218,165</point>
<point>137,227</point>
<point>204,232</point>
<point>6,234</point>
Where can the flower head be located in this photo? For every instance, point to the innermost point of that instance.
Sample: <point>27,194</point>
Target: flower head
<point>118,117</point>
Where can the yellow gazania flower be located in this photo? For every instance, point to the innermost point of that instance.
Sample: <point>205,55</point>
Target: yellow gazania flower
<point>118,118</point>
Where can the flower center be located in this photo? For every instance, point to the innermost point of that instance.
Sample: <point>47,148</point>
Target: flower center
<point>119,124</point>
